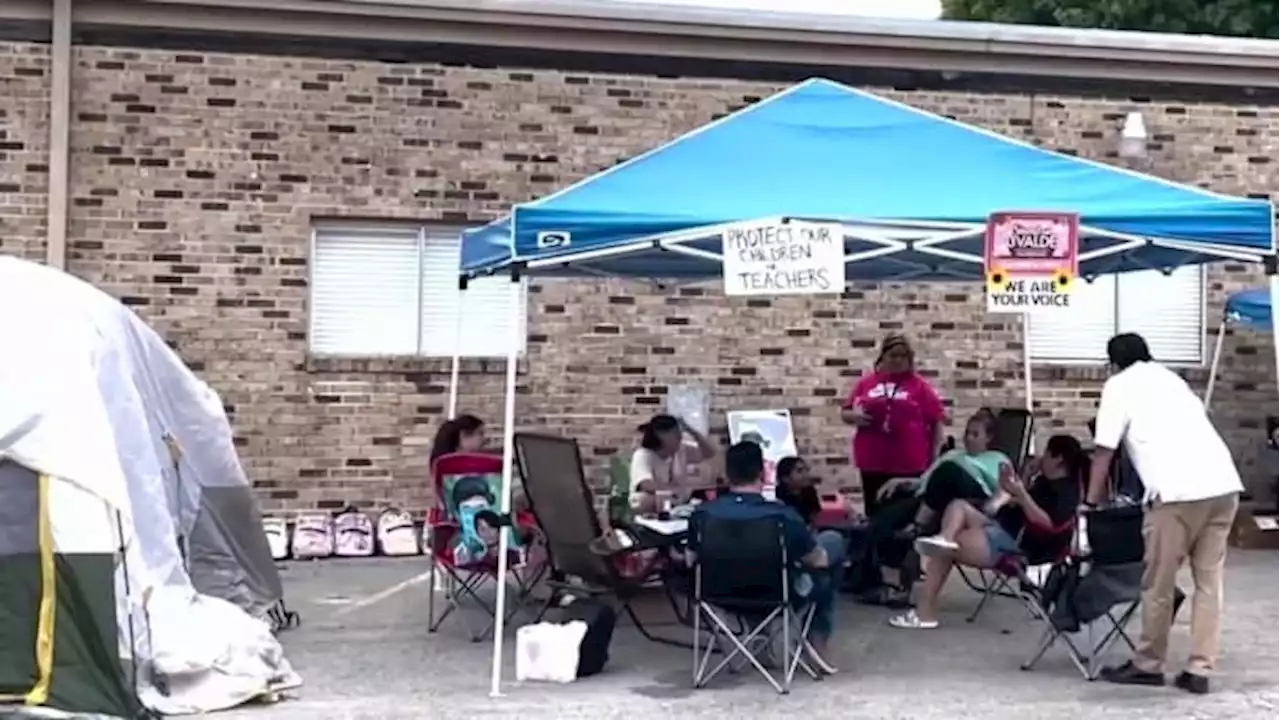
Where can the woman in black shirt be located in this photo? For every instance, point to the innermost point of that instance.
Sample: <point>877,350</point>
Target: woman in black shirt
<point>1026,520</point>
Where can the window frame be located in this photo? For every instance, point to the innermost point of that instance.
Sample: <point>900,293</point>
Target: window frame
<point>423,232</point>
<point>1202,320</point>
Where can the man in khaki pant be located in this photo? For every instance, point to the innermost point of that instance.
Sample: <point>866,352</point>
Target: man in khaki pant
<point>1193,491</point>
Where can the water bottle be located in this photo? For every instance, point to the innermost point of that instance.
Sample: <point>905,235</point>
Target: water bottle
<point>1082,536</point>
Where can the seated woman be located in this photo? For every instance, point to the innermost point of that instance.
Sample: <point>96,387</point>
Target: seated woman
<point>663,462</point>
<point>1016,522</point>
<point>968,473</point>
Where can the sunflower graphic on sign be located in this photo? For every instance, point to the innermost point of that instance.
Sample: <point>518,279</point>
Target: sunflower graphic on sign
<point>1031,260</point>
<point>996,278</point>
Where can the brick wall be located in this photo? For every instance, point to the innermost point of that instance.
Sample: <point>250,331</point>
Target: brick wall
<point>24,149</point>
<point>195,178</point>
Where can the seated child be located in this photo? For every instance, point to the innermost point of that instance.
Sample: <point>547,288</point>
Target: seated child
<point>797,487</point>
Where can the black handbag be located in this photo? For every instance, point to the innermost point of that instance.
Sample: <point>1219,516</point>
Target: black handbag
<point>600,618</point>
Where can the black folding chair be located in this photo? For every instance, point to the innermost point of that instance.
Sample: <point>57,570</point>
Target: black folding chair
<point>742,570</point>
<point>563,505</point>
<point>1014,428</point>
<point>1095,591</point>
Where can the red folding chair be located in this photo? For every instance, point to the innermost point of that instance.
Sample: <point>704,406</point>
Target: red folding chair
<point>1009,577</point>
<point>473,474</point>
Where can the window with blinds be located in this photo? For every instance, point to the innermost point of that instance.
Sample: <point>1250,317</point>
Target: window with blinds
<point>1167,310</point>
<point>393,290</point>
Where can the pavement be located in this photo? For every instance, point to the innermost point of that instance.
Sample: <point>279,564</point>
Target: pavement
<point>363,651</point>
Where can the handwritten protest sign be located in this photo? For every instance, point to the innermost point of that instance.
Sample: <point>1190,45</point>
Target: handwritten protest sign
<point>1032,259</point>
<point>783,258</point>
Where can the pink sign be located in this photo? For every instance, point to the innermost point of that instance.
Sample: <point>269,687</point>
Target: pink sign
<point>1032,244</point>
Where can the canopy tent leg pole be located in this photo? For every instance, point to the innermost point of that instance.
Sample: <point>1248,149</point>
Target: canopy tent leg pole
<point>508,468</point>
<point>1027,389</point>
<point>456,365</point>
<point>1273,279</point>
<point>1213,364</point>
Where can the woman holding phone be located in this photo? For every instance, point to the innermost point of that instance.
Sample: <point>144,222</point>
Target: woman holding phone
<point>897,416</point>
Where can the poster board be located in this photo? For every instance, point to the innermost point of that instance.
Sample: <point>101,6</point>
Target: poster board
<point>1031,260</point>
<point>691,403</point>
<point>772,430</point>
<point>783,257</point>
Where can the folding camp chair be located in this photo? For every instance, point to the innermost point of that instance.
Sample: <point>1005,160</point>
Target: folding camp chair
<point>564,509</point>
<point>742,569</point>
<point>1011,577</point>
<point>461,478</point>
<point>1094,591</point>
<point>1014,428</point>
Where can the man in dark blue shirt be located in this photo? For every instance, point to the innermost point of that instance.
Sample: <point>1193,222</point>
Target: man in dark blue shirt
<point>821,556</point>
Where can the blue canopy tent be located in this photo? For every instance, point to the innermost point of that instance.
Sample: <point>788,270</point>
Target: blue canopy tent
<point>912,190</point>
<point>1247,309</point>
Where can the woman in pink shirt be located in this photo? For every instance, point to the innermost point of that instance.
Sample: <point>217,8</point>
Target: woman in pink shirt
<point>898,418</point>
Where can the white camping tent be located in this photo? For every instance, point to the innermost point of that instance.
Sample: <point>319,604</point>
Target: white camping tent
<point>94,404</point>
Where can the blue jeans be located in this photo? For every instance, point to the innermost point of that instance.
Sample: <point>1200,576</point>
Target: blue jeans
<point>820,586</point>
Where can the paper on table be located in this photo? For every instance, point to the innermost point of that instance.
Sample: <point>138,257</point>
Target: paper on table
<point>663,527</point>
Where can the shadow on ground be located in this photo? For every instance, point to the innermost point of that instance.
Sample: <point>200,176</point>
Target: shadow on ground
<point>364,652</point>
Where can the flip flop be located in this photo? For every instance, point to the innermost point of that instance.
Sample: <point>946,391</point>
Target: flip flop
<point>911,621</point>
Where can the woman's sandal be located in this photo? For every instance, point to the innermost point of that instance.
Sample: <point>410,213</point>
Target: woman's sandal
<point>909,620</point>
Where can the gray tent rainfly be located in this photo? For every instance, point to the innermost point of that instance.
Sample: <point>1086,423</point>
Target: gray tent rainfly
<point>131,550</point>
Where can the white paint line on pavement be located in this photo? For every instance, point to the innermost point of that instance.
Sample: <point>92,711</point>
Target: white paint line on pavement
<point>381,595</point>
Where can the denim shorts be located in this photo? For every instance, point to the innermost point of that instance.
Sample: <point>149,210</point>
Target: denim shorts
<point>999,542</point>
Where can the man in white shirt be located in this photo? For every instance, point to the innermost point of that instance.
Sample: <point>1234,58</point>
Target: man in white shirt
<point>1193,491</point>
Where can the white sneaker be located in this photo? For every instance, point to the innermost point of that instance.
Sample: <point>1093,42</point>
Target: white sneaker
<point>935,545</point>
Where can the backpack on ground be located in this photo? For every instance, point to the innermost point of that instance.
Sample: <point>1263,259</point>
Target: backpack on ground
<point>313,536</point>
<point>600,618</point>
<point>396,534</point>
<point>353,534</point>
<point>277,530</point>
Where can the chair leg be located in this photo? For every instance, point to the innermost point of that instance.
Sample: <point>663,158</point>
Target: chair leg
<point>980,586</point>
<point>1116,632</point>
<point>520,595</point>
<point>457,589</point>
<point>466,588</point>
<point>451,583</point>
<point>1083,661</point>
<point>1047,638</point>
<point>697,626</point>
<point>990,586</point>
<point>797,659</point>
<point>741,647</point>
<point>644,631</point>
<point>549,603</point>
<point>432,626</point>
<point>786,648</point>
